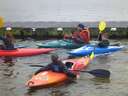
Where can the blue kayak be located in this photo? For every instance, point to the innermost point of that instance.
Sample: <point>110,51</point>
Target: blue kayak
<point>87,49</point>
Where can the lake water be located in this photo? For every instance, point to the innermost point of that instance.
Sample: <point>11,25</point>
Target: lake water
<point>13,78</point>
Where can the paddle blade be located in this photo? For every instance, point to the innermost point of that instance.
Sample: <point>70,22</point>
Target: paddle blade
<point>92,56</point>
<point>100,73</point>
<point>1,22</point>
<point>102,26</point>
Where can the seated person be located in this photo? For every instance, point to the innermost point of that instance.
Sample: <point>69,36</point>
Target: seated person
<point>8,41</point>
<point>103,39</point>
<point>82,35</point>
<point>57,66</point>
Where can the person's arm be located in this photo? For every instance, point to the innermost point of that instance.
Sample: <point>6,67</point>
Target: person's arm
<point>43,69</point>
<point>78,39</point>
<point>63,65</point>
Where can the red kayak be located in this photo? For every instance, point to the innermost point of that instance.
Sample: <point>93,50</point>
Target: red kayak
<point>50,78</point>
<point>22,52</point>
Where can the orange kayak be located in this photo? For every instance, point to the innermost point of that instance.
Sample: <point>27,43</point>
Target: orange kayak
<point>49,78</point>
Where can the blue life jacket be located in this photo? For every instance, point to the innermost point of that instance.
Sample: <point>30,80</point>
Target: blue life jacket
<point>56,68</point>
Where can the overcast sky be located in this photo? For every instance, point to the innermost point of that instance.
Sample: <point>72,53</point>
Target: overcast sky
<point>64,10</point>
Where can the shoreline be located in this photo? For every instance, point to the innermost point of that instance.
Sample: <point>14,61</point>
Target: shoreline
<point>52,24</point>
<point>44,33</point>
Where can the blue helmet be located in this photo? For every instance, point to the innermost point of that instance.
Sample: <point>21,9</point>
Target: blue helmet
<point>81,26</point>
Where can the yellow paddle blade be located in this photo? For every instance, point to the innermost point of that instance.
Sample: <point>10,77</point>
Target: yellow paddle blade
<point>102,26</point>
<point>92,55</point>
<point>1,22</point>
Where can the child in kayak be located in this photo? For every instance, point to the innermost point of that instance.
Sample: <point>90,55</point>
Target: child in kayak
<point>103,39</point>
<point>57,66</point>
<point>82,35</point>
<point>8,40</point>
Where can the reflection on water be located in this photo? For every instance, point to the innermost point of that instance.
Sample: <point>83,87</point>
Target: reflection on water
<point>100,80</point>
<point>53,91</point>
<point>8,60</point>
<point>7,63</point>
<point>59,93</point>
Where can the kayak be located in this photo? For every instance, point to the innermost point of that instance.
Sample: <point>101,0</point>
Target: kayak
<point>22,52</point>
<point>68,44</point>
<point>87,49</point>
<point>50,78</point>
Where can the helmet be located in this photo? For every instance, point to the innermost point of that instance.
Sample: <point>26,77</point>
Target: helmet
<point>54,57</point>
<point>59,29</point>
<point>81,26</point>
<point>8,28</point>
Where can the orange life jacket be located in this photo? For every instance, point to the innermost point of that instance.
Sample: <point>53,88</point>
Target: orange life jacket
<point>85,35</point>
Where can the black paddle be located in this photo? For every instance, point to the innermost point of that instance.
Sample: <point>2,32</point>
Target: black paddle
<point>102,73</point>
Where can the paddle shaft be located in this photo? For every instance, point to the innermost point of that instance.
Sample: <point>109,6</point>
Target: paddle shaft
<point>36,65</point>
<point>97,72</point>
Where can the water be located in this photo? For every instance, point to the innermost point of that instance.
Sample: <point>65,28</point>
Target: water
<point>13,78</point>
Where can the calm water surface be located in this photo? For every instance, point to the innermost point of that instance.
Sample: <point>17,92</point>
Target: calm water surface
<point>13,78</point>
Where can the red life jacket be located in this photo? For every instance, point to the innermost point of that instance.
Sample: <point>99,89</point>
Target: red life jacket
<point>85,35</point>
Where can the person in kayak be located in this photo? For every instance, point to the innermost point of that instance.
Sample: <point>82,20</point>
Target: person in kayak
<point>8,40</point>
<point>103,39</point>
<point>57,66</point>
<point>82,35</point>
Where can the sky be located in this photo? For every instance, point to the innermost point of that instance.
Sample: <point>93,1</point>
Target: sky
<point>64,10</point>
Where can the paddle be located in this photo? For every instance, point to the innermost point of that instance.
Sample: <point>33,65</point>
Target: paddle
<point>36,65</point>
<point>1,22</point>
<point>101,27</point>
<point>102,73</point>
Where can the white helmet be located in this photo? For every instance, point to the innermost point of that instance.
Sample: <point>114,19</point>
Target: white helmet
<point>8,28</point>
<point>59,29</point>
<point>33,29</point>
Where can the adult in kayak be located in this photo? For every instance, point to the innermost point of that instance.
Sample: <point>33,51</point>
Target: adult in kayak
<point>8,40</point>
<point>103,39</point>
<point>57,66</point>
<point>82,35</point>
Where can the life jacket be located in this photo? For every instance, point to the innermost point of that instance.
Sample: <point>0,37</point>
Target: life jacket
<point>55,68</point>
<point>85,35</point>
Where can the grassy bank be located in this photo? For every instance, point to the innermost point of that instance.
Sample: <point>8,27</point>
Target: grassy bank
<point>44,33</point>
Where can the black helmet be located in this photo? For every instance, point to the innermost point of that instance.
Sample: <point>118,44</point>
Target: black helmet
<point>54,57</point>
